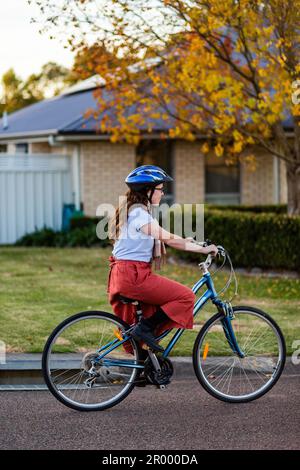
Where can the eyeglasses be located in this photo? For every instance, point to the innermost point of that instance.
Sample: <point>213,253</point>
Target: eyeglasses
<point>160,189</point>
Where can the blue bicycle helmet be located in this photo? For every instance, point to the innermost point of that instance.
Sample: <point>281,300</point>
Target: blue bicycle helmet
<point>146,176</point>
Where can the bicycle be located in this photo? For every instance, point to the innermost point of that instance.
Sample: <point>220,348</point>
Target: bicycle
<point>91,363</point>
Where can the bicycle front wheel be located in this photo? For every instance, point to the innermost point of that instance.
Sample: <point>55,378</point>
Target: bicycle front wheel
<point>223,373</point>
<point>72,369</point>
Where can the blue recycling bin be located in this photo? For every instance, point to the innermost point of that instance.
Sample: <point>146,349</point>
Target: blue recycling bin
<point>68,211</point>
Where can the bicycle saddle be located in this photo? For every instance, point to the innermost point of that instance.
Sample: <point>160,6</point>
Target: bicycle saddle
<point>126,300</point>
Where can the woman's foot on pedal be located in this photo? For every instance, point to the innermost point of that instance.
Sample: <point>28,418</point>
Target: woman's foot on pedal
<point>142,332</point>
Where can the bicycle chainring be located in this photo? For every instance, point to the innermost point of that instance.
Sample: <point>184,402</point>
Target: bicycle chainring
<point>159,378</point>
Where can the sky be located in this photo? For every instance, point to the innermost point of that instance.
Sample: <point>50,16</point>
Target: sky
<point>21,45</point>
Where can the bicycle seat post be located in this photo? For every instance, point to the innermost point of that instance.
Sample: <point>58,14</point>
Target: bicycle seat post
<point>139,311</point>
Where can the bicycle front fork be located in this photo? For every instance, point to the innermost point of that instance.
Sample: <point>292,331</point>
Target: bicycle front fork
<point>225,309</point>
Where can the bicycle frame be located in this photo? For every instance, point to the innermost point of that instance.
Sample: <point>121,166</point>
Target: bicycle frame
<point>209,294</point>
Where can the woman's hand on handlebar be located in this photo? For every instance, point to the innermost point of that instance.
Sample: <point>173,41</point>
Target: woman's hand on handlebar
<point>210,249</point>
<point>206,249</point>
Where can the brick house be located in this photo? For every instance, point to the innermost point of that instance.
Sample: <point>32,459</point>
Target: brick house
<point>52,136</point>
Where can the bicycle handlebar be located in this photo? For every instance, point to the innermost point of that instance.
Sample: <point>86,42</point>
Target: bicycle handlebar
<point>204,266</point>
<point>221,251</point>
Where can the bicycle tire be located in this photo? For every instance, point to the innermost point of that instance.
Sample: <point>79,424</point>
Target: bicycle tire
<point>45,358</point>
<point>197,363</point>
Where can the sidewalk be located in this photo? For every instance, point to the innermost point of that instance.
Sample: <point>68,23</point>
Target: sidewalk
<point>23,371</point>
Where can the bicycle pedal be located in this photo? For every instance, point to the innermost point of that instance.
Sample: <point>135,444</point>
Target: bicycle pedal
<point>162,387</point>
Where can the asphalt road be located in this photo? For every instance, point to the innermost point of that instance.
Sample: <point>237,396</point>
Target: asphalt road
<point>182,417</point>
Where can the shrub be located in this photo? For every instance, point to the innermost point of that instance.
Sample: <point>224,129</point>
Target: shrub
<point>264,240</point>
<point>275,208</point>
<point>43,237</point>
<point>85,236</point>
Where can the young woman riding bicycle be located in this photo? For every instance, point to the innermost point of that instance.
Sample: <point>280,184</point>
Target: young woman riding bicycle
<point>93,360</point>
<point>165,303</point>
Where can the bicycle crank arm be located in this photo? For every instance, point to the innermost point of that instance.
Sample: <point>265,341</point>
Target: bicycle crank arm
<point>154,361</point>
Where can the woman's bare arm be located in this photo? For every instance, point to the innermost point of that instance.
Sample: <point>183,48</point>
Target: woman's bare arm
<point>171,239</point>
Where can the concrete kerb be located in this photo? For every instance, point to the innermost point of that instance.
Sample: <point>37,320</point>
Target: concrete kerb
<point>26,369</point>
<point>23,371</point>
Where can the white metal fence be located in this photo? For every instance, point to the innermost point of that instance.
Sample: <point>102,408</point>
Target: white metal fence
<point>33,189</point>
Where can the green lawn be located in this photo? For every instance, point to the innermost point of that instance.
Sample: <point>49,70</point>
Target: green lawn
<point>42,286</point>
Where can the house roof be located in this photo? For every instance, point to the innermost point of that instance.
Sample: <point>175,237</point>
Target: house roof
<point>50,116</point>
<point>63,115</point>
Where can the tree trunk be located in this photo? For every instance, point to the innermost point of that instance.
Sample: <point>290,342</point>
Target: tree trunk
<point>293,186</point>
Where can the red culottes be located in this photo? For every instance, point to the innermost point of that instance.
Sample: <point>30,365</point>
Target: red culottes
<point>136,280</point>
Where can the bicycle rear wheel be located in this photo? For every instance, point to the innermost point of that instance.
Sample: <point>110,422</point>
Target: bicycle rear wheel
<point>223,373</point>
<point>72,369</point>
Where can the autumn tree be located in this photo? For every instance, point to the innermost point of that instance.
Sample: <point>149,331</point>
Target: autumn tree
<point>89,60</point>
<point>224,69</point>
<point>15,96</point>
<point>18,93</point>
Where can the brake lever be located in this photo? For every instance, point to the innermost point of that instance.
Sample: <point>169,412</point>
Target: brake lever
<point>221,251</point>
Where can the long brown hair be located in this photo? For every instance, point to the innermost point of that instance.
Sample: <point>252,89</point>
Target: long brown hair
<point>131,197</point>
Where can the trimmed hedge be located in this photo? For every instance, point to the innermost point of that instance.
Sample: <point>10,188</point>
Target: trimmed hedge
<point>266,240</point>
<point>263,240</point>
<point>275,208</point>
<point>84,236</point>
<point>84,221</point>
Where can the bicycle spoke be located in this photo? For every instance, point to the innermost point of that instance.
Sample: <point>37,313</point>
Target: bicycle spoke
<point>223,375</point>
<point>87,334</point>
<point>213,371</point>
<point>240,379</point>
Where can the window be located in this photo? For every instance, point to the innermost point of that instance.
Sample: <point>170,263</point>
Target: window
<point>222,181</point>
<point>157,152</point>
<point>22,148</point>
<point>3,148</point>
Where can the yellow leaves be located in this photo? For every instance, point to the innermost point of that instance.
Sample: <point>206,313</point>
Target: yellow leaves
<point>250,161</point>
<point>134,119</point>
<point>237,135</point>
<point>155,115</point>
<point>282,59</point>
<point>114,138</point>
<point>174,132</point>
<point>219,150</point>
<point>262,72</point>
<point>156,90</point>
<point>271,118</point>
<point>205,92</point>
<point>256,117</point>
<point>205,148</point>
<point>251,103</point>
<point>237,147</point>
<point>213,82</point>
<point>250,140</point>
<point>279,42</point>
<point>239,141</point>
<point>296,110</point>
<point>264,130</point>
<point>189,136</point>
<point>133,139</point>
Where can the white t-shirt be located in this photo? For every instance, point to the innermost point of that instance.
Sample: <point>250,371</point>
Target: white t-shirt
<point>132,243</point>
